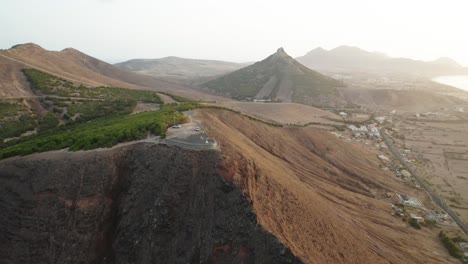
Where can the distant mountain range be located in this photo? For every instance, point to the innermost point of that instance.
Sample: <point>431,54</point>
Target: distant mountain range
<point>352,59</point>
<point>279,77</point>
<point>180,68</point>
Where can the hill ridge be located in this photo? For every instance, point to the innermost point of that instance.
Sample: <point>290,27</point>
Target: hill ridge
<point>279,77</point>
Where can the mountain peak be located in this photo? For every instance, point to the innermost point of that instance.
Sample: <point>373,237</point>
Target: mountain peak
<point>447,62</point>
<point>29,45</point>
<point>71,51</point>
<point>348,50</point>
<point>316,51</point>
<point>280,54</point>
<point>278,77</point>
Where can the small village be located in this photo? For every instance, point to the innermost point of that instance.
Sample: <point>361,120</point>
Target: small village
<point>409,208</point>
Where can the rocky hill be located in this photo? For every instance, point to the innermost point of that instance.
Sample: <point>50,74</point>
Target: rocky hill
<point>77,67</point>
<point>279,77</point>
<point>272,195</point>
<point>138,204</point>
<point>353,59</point>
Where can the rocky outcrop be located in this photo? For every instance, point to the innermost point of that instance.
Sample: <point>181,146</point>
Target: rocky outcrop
<point>142,203</point>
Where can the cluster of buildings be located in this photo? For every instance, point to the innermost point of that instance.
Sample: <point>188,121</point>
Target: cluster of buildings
<point>371,130</point>
<point>440,217</point>
<point>407,200</point>
<point>250,99</point>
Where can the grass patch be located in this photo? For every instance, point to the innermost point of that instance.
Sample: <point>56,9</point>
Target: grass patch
<point>177,98</point>
<point>450,245</point>
<point>103,132</point>
<point>88,110</point>
<point>414,223</point>
<point>48,84</point>
<point>15,119</point>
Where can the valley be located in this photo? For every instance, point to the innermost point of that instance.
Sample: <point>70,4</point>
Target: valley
<point>269,163</point>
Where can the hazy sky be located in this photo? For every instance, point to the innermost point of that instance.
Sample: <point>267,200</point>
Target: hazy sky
<point>240,30</point>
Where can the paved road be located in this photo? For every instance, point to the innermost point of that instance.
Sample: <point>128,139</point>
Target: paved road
<point>188,137</point>
<point>433,194</point>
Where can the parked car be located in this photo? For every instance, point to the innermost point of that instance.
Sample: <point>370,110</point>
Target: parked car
<point>197,129</point>
<point>176,126</point>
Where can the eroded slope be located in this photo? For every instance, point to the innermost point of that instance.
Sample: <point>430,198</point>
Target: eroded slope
<point>316,193</point>
<point>142,203</point>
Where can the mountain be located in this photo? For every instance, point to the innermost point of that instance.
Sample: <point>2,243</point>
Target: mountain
<point>271,195</point>
<point>179,68</point>
<point>279,77</point>
<point>353,59</point>
<point>77,67</point>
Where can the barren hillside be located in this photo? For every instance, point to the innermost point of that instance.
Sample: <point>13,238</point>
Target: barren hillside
<point>77,67</point>
<point>142,203</point>
<point>284,113</point>
<point>179,68</point>
<point>316,194</point>
<point>408,100</point>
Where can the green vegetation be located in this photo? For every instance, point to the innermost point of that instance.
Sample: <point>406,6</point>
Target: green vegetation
<point>70,103</point>
<point>16,127</point>
<point>48,121</point>
<point>450,245</point>
<point>277,70</point>
<point>88,110</point>
<point>81,118</point>
<point>51,85</point>
<point>414,223</point>
<point>103,132</point>
<point>177,98</point>
<point>243,83</point>
<point>459,239</point>
<point>15,119</point>
<point>9,108</point>
<point>313,85</point>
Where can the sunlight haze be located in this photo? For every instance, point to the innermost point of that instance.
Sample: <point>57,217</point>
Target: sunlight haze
<point>117,30</point>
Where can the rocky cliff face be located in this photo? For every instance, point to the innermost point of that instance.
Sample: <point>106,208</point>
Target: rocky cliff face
<point>137,204</point>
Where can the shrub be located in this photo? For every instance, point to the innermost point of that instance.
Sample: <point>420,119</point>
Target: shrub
<point>414,223</point>
<point>452,248</point>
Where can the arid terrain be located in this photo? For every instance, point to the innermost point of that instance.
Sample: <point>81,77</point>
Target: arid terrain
<point>267,182</point>
<point>284,113</point>
<point>441,152</point>
<point>77,67</point>
<point>142,203</point>
<point>180,68</point>
<point>317,195</point>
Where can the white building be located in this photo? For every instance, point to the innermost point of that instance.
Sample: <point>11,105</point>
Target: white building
<point>383,158</point>
<point>380,119</point>
<point>417,218</point>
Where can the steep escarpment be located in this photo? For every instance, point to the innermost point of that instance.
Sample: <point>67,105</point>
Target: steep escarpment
<point>318,194</point>
<point>142,203</point>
